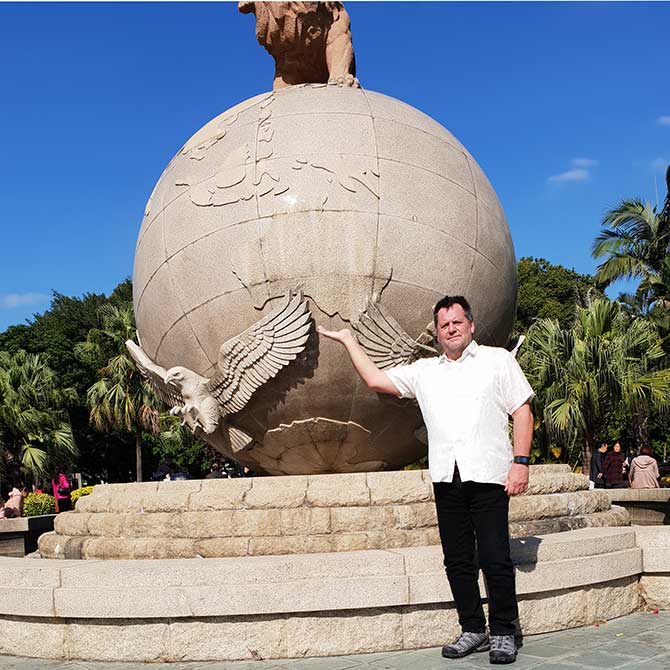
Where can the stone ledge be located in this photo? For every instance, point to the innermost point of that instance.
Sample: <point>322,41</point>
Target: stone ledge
<point>291,635</point>
<point>287,492</point>
<point>655,544</point>
<point>642,495</point>
<point>313,582</point>
<point>53,545</point>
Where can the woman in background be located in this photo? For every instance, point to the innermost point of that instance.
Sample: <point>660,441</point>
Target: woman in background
<point>61,489</point>
<point>614,465</point>
<point>644,471</point>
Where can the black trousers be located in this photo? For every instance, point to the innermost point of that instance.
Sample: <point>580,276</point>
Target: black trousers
<point>469,513</point>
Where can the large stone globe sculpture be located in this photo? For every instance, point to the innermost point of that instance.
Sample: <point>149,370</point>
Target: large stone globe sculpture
<point>350,196</point>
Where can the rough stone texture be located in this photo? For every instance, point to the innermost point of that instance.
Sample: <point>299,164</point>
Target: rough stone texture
<point>308,605</point>
<point>337,490</point>
<point>119,640</point>
<point>241,638</point>
<point>33,637</point>
<point>399,487</point>
<point>655,590</point>
<point>655,544</point>
<point>617,516</point>
<point>647,507</point>
<point>578,607</point>
<point>299,514</point>
<point>323,205</point>
<point>298,634</point>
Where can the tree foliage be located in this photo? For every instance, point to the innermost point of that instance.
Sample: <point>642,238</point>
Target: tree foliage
<point>549,291</point>
<point>606,365</point>
<point>634,243</point>
<point>120,399</point>
<point>35,430</point>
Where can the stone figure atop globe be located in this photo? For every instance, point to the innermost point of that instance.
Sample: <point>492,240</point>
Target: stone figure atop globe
<point>316,203</point>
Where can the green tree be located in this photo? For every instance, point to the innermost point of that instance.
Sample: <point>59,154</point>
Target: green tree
<point>55,334</point>
<point>606,365</point>
<point>35,431</point>
<point>549,291</point>
<point>120,399</point>
<point>635,243</point>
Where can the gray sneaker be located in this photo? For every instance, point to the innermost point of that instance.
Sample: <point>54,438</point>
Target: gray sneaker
<point>503,649</point>
<point>466,644</point>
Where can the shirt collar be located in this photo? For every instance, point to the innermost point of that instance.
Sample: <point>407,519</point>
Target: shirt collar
<point>470,350</point>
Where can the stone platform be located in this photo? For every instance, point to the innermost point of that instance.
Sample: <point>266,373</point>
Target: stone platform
<point>299,605</point>
<point>18,537</point>
<point>646,507</point>
<point>299,514</point>
<point>287,567</point>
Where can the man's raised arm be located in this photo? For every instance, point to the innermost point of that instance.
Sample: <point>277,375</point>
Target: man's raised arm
<point>375,379</point>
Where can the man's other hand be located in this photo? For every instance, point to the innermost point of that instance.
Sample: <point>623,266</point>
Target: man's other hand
<point>517,479</point>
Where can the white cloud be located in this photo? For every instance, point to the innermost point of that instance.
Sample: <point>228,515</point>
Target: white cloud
<point>579,171</point>
<point>664,120</point>
<point>583,163</point>
<point>11,300</point>
<point>577,174</point>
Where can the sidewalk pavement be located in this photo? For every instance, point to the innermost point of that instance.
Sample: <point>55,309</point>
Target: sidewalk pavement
<point>634,642</point>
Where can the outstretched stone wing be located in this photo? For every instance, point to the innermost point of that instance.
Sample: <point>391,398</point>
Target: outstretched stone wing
<point>385,341</point>
<point>155,376</point>
<point>249,360</point>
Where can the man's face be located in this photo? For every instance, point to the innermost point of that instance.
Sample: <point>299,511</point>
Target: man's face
<point>453,331</point>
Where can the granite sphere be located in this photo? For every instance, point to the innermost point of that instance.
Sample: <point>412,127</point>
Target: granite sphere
<point>349,195</point>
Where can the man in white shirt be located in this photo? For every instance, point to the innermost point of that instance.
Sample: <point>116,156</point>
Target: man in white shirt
<point>466,396</point>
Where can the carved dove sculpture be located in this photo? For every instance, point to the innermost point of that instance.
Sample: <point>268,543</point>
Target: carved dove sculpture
<point>245,363</point>
<point>385,341</point>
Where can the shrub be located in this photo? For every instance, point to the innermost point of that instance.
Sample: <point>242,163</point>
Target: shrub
<point>39,503</point>
<point>78,493</point>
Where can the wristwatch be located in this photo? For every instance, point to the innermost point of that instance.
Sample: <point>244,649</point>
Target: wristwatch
<point>522,460</point>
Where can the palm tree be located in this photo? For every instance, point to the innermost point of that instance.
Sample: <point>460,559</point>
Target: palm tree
<point>35,430</point>
<point>635,244</point>
<point>120,399</point>
<point>605,365</point>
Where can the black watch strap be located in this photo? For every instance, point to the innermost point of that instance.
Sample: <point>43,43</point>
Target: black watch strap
<point>522,460</point>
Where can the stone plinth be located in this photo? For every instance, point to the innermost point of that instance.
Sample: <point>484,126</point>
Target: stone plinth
<point>647,507</point>
<point>18,537</point>
<point>299,515</point>
<point>299,605</point>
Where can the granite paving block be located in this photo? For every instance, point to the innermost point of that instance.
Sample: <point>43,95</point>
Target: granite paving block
<point>544,649</point>
<point>596,658</point>
<point>631,646</point>
<point>327,663</point>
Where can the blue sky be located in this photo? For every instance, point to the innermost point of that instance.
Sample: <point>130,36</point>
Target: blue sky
<point>566,106</point>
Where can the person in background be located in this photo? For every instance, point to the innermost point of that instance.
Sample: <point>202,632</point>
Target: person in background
<point>614,466</point>
<point>165,470</point>
<point>215,472</point>
<point>61,489</point>
<point>644,471</point>
<point>13,508</point>
<point>597,474</point>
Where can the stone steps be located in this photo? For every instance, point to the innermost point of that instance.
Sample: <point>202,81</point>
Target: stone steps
<point>63,546</point>
<point>296,605</point>
<point>297,514</point>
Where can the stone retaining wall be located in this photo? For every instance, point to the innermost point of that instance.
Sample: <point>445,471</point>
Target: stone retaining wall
<point>647,507</point>
<point>298,514</point>
<point>655,582</point>
<point>301,605</point>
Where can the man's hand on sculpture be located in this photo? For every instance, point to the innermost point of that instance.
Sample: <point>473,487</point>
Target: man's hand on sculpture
<point>517,479</point>
<point>337,335</point>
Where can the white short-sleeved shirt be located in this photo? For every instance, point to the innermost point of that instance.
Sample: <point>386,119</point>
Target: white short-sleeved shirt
<point>466,406</point>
